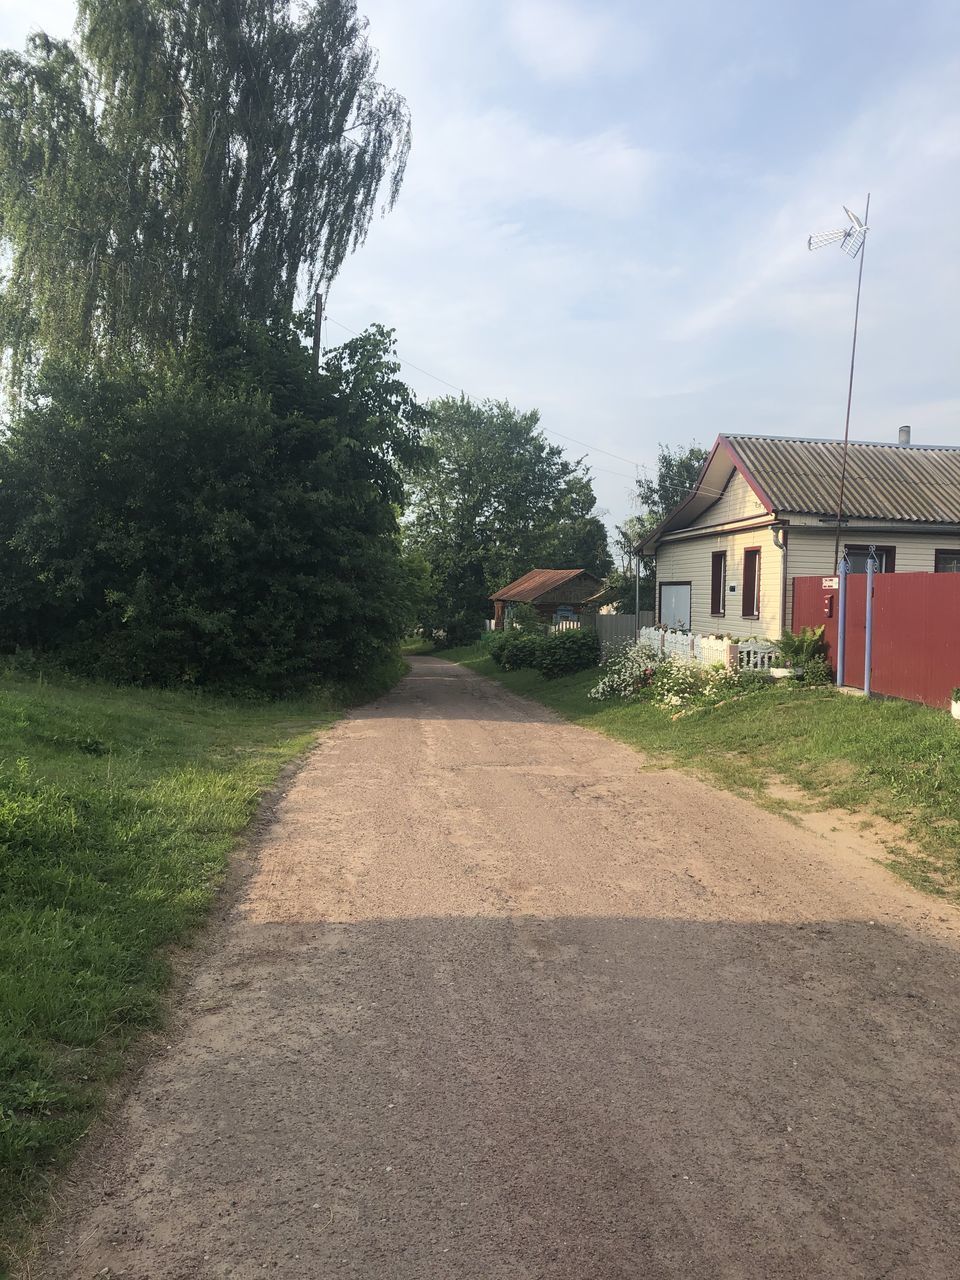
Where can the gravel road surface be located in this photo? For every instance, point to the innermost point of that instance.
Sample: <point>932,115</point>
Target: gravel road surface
<point>497,1002</point>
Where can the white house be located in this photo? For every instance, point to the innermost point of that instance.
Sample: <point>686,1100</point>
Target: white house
<point>763,511</point>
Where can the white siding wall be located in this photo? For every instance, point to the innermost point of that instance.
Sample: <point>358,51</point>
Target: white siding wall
<point>811,551</point>
<point>691,561</point>
<point>738,502</point>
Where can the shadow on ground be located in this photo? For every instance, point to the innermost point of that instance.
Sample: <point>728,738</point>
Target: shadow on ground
<point>585,1098</point>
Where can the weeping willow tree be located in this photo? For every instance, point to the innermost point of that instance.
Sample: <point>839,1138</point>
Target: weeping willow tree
<point>182,166</point>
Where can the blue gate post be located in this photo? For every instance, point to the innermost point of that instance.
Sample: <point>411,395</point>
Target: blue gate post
<point>872,566</point>
<point>842,570</point>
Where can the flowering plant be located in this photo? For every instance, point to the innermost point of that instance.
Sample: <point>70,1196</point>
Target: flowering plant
<point>626,671</point>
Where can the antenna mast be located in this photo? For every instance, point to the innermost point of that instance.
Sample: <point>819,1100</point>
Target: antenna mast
<point>852,241</point>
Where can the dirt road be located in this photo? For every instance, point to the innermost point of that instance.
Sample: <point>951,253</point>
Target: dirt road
<point>500,1004</point>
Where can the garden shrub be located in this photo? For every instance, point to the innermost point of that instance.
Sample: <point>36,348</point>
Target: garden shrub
<point>817,671</point>
<point>565,652</point>
<point>627,670</point>
<point>522,649</point>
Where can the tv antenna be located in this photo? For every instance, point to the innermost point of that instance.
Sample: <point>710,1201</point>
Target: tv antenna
<point>852,240</point>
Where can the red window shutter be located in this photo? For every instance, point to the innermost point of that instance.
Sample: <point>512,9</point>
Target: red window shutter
<point>751,583</point>
<point>718,582</point>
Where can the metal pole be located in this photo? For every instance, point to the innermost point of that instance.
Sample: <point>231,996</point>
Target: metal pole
<point>868,639</point>
<point>636,604</point>
<point>317,323</point>
<point>842,621</point>
<point>853,357</point>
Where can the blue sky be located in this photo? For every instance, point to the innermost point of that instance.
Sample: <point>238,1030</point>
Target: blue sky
<point>607,204</point>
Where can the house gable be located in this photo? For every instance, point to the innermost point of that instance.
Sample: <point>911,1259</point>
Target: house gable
<point>736,503</point>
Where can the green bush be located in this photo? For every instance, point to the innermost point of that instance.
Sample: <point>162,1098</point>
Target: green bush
<point>817,670</point>
<point>230,521</point>
<point>458,631</point>
<point>522,649</point>
<point>565,652</point>
<point>524,617</point>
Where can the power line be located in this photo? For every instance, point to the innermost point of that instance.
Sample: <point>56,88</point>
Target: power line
<point>592,448</point>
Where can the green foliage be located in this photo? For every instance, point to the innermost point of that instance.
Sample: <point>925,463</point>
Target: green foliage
<point>493,500</point>
<point>181,166</point>
<point>518,649</point>
<point>117,811</point>
<point>234,523</point>
<point>524,617</point>
<point>677,472</point>
<point>797,649</point>
<point>817,671</point>
<point>459,629</point>
<point>628,670</point>
<point>564,652</point>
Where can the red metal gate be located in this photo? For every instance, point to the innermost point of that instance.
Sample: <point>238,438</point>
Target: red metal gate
<point>916,631</point>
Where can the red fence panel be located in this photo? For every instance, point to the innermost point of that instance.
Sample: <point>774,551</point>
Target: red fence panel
<point>815,605</point>
<point>916,631</point>
<point>810,609</point>
<point>916,636</point>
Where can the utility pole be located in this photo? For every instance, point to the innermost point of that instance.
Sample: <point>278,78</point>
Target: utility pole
<point>317,323</point>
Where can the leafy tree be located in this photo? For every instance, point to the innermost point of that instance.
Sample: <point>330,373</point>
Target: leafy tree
<point>677,472</point>
<point>233,522</point>
<point>184,165</point>
<point>494,501</point>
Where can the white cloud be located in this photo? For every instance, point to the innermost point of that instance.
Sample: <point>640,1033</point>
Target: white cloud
<point>558,40</point>
<point>497,160</point>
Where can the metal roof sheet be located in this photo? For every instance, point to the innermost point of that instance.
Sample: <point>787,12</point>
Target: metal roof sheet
<point>537,582</point>
<point>912,483</point>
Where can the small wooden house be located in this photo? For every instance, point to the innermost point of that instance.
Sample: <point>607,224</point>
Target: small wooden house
<point>764,511</point>
<point>558,595</point>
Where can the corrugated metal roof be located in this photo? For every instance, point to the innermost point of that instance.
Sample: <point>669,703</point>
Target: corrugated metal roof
<point>919,484</point>
<point>536,583</point>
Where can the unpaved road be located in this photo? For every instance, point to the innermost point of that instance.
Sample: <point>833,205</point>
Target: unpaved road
<point>499,1004</point>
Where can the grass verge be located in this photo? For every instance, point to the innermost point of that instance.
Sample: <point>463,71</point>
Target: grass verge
<point>118,810</point>
<point>897,760</point>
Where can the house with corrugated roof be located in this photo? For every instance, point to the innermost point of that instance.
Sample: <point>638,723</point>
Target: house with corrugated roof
<point>558,595</point>
<point>764,511</point>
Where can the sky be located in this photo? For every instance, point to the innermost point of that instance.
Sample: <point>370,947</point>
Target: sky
<point>606,211</point>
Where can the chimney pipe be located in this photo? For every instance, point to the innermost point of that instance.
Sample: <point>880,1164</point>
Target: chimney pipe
<point>904,435</point>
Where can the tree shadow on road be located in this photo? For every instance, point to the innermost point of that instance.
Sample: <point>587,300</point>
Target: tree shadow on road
<point>578,1098</point>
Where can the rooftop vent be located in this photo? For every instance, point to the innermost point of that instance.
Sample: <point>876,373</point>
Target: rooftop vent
<point>904,435</point>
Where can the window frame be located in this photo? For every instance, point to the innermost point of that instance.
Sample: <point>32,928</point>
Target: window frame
<point>889,554</point>
<point>678,582</point>
<point>718,596</point>
<point>754,612</point>
<point>952,552</point>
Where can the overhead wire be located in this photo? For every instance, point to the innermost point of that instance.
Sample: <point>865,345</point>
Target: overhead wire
<point>591,448</point>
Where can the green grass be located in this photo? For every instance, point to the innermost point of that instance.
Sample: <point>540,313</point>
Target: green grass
<point>896,760</point>
<point>417,644</point>
<point>118,809</point>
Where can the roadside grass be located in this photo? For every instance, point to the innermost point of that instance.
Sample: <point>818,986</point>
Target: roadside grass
<point>118,810</point>
<point>895,760</point>
<point>417,644</point>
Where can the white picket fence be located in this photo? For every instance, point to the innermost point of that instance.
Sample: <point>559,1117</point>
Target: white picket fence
<point>708,651</point>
